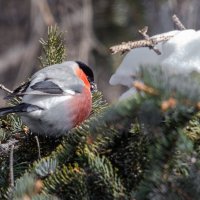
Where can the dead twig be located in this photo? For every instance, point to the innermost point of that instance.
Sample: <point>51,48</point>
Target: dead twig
<point>38,146</point>
<point>11,167</point>
<point>143,32</point>
<point>127,46</point>
<point>178,23</point>
<point>5,89</point>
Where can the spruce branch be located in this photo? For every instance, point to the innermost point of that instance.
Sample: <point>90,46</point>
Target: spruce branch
<point>45,167</point>
<point>67,181</point>
<point>175,89</point>
<point>162,154</point>
<point>54,51</point>
<point>105,175</point>
<point>128,153</point>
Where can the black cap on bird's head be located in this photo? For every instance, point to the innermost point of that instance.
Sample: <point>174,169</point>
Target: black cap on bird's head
<point>88,72</point>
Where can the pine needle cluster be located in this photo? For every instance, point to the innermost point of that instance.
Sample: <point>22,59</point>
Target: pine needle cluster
<point>54,51</point>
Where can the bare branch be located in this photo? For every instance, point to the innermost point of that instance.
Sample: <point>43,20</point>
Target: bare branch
<point>38,146</point>
<point>148,41</point>
<point>143,32</point>
<point>127,46</point>
<point>11,167</point>
<point>178,23</point>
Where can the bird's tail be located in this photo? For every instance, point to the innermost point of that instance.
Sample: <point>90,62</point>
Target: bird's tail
<point>22,107</point>
<point>5,111</point>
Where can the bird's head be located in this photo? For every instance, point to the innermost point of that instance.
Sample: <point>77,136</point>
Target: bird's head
<point>89,73</point>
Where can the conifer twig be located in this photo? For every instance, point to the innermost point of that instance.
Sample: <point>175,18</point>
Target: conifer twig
<point>178,23</point>
<point>38,146</point>
<point>143,32</point>
<point>5,89</point>
<point>11,167</point>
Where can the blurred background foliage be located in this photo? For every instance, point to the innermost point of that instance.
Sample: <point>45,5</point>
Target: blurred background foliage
<point>90,27</point>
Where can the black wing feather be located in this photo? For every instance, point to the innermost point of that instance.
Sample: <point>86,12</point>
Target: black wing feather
<point>47,87</point>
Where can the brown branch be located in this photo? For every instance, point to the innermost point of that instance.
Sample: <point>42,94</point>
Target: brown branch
<point>143,32</point>
<point>127,46</point>
<point>178,23</point>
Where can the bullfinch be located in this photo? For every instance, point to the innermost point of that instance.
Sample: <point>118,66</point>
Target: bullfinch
<point>56,99</point>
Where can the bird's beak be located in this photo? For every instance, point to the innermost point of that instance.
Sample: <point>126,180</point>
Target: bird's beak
<point>93,87</point>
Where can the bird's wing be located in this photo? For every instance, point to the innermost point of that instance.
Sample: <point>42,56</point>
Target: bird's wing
<point>49,86</point>
<point>55,81</point>
<point>56,86</point>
